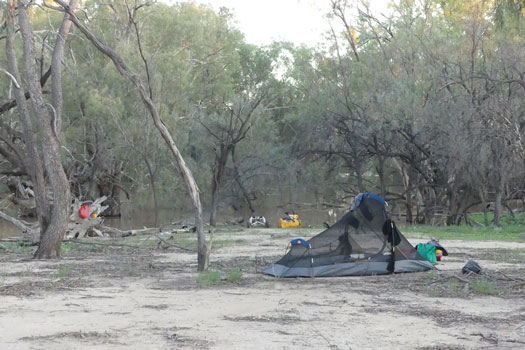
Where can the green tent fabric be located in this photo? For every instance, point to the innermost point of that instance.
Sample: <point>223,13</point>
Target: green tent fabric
<point>427,251</point>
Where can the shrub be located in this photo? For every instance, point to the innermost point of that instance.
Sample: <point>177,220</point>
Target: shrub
<point>208,278</point>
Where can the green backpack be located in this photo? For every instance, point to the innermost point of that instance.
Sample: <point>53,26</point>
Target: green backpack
<point>427,251</point>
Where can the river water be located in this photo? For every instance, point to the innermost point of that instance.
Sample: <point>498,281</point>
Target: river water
<point>137,216</point>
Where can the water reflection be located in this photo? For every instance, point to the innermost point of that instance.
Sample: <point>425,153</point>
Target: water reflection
<point>8,230</point>
<point>136,216</point>
<point>139,216</point>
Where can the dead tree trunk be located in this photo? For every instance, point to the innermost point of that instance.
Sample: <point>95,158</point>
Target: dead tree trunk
<point>203,253</point>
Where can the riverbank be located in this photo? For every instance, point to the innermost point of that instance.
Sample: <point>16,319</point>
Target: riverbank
<point>141,292</point>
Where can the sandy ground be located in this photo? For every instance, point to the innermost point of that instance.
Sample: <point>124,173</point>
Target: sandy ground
<point>124,298</point>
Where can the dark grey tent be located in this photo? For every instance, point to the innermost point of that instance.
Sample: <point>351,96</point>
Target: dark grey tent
<point>364,242</point>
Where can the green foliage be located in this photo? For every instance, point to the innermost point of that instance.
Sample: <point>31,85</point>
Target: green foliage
<point>130,270</point>
<point>509,233</point>
<point>208,278</point>
<point>64,270</point>
<point>20,247</point>
<point>484,287</point>
<point>455,288</point>
<point>234,276</point>
<point>28,270</point>
<point>214,277</point>
<point>507,220</point>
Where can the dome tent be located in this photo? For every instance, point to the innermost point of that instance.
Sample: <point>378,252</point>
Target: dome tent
<point>364,242</point>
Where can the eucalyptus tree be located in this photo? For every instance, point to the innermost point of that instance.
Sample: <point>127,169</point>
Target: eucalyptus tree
<point>42,139</point>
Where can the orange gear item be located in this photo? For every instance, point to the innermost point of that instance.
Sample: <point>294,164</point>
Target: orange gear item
<point>439,254</point>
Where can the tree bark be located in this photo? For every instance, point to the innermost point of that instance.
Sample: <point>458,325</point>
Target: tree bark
<point>381,172</point>
<point>483,198</point>
<point>218,172</point>
<point>203,253</point>
<point>359,177</point>
<point>238,179</point>
<point>56,72</point>
<point>500,188</point>
<point>52,234</point>
<point>33,163</point>
<point>153,187</point>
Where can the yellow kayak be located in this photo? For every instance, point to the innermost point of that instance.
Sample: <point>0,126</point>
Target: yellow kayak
<point>287,223</point>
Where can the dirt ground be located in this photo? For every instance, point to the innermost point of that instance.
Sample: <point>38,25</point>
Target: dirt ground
<point>120,297</point>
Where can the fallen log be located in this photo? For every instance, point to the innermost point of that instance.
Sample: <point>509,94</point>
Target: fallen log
<point>29,231</point>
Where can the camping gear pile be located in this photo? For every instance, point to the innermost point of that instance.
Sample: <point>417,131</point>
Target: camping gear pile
<point>364,242</point>
<point>432,251</point>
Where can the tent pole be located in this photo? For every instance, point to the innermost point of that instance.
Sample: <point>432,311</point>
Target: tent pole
<point>392,255</point>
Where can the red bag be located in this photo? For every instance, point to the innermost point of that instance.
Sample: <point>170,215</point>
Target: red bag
<point>83,212</point>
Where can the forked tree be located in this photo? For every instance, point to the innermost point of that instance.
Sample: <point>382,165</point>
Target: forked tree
<point>41,132</point>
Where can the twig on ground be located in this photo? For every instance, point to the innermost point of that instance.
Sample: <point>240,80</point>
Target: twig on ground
<point>6,249</point>
<point>512,279</point>
<point>162,240</point>
<point>101,244</point>
<point>461,279</point>
<point>330,345</point>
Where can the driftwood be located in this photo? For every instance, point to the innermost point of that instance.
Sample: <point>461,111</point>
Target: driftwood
<point>77,227</point>
<point>94,225</point>
<point>90,227</point>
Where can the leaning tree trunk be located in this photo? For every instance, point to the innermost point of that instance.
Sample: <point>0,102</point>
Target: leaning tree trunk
<point>51,235</point>
<point>202,249</point>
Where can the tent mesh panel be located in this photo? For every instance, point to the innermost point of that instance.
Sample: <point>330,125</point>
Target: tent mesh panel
<point>358,236</point>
